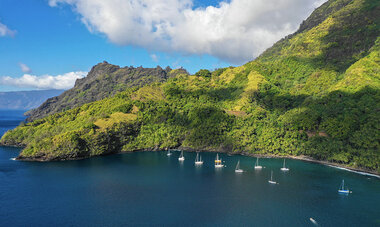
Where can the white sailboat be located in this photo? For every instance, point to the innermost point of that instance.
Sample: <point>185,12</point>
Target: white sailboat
<point>237,169</point>
<point>257,166</point>
<point>284,167</point>
<point>271,181</point>
<point>169,153</point>
<point>181,157</point>
<point>218,162</point>
<point>198,160</point>
<point>342,190</point>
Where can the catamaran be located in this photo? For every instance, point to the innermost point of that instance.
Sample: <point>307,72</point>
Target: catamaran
<point>271,178</point>
<point>237,169</point>
<point>284,167</point>
<point>342,190</point>
<point>218,162</point>
<point>169,153</point>
<point>198,160</point>
<point>181,157</point>
<point>257,164</point>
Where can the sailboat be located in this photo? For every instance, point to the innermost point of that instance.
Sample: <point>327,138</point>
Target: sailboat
<point>257,164</point>
<point>198,160</point>
<point>181,157</point>
<point>271,178</point>
<point>218,162</point>
<point>237,169</point>
<point>169,153</point>
<point>284,167</point>
<point>342,190</point>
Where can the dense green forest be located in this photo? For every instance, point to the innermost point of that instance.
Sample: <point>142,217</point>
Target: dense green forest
<point>314,93</point>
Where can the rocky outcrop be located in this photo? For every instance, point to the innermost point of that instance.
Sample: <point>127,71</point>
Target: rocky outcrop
<point>104,80</point>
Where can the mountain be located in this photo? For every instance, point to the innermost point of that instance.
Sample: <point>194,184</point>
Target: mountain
<point>104,80</point>
<point>315,93</point>
<point>25,100</point>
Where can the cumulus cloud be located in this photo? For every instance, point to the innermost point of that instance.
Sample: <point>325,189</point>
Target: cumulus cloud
<point>64,81</point>
<point>234,31</point>
<point>24,68</point>
<point>5,31</point>
<point>318,3</point>
<point>154,57</point>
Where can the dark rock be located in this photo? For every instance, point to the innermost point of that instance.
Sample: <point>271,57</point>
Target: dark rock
<point>102,81</point>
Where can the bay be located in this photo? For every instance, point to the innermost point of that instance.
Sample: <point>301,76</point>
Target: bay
<point>150,188</point>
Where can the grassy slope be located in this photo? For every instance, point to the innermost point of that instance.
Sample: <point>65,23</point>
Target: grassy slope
<point>104,80</point>
<point>314,93</point>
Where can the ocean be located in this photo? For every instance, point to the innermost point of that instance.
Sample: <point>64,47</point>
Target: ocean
<point>150,188</point>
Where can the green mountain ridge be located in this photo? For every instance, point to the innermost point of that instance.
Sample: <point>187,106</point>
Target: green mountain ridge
<point>104,80</point>
<point>314,93</point>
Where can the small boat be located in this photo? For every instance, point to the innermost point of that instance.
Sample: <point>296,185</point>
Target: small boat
<point>271,178</point>
<point>284,167</point>
<point>313,221</point>
<point>198,160</point>
<point>237,169</point>
<point>218,162</point>
<point>169,153</point>
<point>181,157</point>
<point>257,164</point>
<point>342,190</point>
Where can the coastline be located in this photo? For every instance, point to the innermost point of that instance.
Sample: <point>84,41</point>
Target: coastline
<point>301,158</point>
<point>305,158</point>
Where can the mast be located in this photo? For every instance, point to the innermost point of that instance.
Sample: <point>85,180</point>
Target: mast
<point>271,175</point>
<point>238,165</point>
<point>284,163</point>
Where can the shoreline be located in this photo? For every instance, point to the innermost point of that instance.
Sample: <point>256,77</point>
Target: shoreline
<point>305,158</point>
<point>188,149</point>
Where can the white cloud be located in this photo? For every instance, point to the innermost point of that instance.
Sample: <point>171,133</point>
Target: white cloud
<point>154,57</point>
<point>318,3</point>
<point>64,81</point>
<point>24,68</point>
<point>235,30</point>
<point>5,31</point>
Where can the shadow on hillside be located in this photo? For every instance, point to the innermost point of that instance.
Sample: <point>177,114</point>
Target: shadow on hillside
<point>352,35</point>
<point>213,95</point>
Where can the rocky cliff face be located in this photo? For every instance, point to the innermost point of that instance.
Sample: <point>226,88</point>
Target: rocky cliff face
<point>104,80</point>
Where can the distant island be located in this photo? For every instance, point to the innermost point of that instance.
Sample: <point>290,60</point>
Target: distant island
<point>25,100</point>
<point>315,93</point>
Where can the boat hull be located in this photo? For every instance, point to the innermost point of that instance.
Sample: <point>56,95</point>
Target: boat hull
<point>343,191</point>
<point>239,170</point>
<point>284,169</point>
<point>272,182</point>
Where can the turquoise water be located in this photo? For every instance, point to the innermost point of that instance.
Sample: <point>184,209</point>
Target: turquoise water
<point>149,188</point>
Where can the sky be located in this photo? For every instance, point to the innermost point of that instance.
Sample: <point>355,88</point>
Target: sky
<point>48,44</point>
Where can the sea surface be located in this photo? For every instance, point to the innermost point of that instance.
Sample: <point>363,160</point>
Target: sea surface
<point>150,188</point>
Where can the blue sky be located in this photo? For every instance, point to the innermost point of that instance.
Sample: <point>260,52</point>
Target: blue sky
<point>55,37</point>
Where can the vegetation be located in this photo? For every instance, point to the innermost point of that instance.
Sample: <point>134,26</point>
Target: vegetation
<point>104,80</point>
<point>314,93</point>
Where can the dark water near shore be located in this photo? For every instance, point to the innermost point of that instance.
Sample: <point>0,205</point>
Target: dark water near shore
<point>149,188</point>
